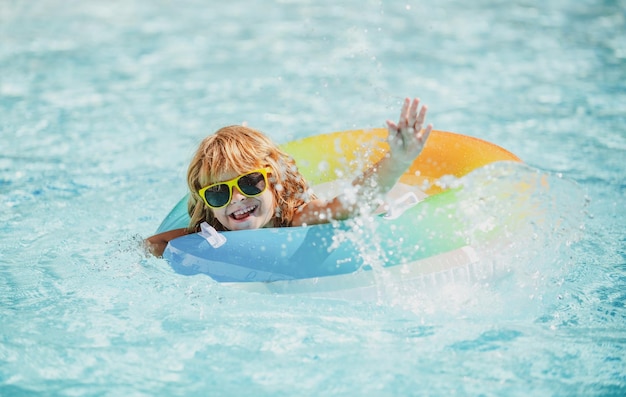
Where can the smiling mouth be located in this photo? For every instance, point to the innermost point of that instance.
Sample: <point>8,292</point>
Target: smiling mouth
<point>243,213</point>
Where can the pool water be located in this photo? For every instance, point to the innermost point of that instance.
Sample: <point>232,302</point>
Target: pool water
<point>102,104</point>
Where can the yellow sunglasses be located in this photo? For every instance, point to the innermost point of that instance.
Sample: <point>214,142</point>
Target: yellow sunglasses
<point>251,184</point>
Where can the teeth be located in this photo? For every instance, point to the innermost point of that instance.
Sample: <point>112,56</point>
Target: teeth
<point>244,211</point>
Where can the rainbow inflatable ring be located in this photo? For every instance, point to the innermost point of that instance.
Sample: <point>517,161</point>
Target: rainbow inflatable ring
<point>418,237</point>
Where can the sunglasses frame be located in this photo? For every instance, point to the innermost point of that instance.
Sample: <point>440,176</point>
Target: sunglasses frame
<point>234,182</point>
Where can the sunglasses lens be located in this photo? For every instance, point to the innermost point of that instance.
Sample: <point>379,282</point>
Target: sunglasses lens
<point>218,195</point>
<point>252,184</point>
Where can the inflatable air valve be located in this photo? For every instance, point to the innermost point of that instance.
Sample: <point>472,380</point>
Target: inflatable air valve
<point>211,235</point>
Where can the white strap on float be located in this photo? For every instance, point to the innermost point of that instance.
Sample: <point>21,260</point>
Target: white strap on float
<point>211,235</point>
<point>401,204</point>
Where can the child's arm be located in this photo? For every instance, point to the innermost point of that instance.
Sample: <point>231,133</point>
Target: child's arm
<point>157,243</point>
<point>406,141</point>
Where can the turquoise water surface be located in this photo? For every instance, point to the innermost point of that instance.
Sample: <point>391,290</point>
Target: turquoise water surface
<point>102,104</point>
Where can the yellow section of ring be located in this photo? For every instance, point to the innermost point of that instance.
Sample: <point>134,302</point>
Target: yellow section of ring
<point>321,157</point>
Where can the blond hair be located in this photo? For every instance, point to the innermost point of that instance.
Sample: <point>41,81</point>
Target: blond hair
<point>242,149</point>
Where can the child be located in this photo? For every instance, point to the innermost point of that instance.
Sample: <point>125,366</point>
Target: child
<point>238,179</point>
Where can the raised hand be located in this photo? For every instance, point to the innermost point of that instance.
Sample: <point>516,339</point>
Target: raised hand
<point>406,141</point>
<point>407,138</point>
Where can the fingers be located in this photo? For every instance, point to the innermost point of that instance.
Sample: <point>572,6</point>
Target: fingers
<point>421,117</point>
<point>407,138</point>
<point>423,134</point>
<point>409,116</point>
<point>411,121</point>
<point>412,115</point>
<point>391,126</point>
<point>404,121</point>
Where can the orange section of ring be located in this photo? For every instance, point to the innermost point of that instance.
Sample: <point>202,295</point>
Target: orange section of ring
<point>320,157</point>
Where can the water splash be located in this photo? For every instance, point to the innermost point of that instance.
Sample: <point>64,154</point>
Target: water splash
<point>519,224</point>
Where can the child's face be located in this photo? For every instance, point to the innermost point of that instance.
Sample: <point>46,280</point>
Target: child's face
<point>244,212</point>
